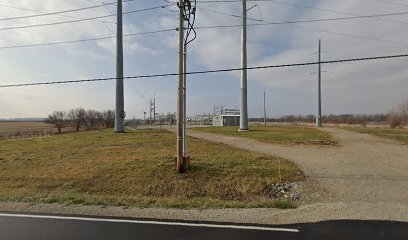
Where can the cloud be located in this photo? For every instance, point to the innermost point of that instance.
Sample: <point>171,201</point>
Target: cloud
<point>372,86</point>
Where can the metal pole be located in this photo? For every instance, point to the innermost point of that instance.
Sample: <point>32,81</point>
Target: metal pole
<point>180,117</point>
<point>185,103</point>
<point>244,102</point>
<point>120,112</point>
<point>264,107</point>
<point>150,112</point>
<point>154,110</point>
<point>319,91</point>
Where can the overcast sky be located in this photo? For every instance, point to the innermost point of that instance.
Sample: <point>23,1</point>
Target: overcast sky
<point>358,87</point>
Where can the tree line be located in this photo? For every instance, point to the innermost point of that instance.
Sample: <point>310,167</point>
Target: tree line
<point>398,117</point>
<point>80,118</point>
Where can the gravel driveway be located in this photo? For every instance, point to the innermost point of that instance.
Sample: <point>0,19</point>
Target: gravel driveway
<point>362,168</point>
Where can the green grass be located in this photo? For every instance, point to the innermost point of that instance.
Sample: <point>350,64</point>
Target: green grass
<point>137,169</point>
<point>400,135</point>
<point>277,135</point>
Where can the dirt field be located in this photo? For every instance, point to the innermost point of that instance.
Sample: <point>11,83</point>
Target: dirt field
<point>11,130</point>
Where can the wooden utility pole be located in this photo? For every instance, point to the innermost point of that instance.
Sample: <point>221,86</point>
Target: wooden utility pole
<point>180,101</point>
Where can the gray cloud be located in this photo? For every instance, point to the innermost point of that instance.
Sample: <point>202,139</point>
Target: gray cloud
<point>364,87</point>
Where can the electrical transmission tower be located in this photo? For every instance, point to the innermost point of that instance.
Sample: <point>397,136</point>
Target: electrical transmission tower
<point>186,15</point>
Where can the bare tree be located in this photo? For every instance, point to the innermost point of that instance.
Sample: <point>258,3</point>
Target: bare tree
<point>109,118</point>
<point>59,119</point>
<point>91,119</point>
<point>403,111</point>
<point>394,119</point>
<point>77,117</point>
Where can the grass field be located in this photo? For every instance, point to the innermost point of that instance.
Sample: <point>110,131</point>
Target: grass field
<point>25,129</point>
<point>276,134</point>
<point>136,169</point>
<point>400,135</point>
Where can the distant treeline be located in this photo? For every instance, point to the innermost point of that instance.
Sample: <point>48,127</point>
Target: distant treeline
<point>361,119</point>
<point>398,117</point>
<point>81,119</point>
<point>393,119</point>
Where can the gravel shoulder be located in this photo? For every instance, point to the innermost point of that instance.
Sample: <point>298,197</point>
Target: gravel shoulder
<point>364,177</point>
<point>304,214</point>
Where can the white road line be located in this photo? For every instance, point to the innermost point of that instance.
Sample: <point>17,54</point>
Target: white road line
<point>151,222</point>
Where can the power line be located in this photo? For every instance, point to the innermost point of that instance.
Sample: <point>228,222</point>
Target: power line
<point>391,3</point>
<point>234,26</point>
<point>43,12</point>
<point>319,20</point>
<point>55,13</point>
<point>300,5</point>
<point>350,35</point>
<point>85,40</point>
<point>210,71</point>
<point>227,14</point>
<point>81,20</point>
<point>287,23</point>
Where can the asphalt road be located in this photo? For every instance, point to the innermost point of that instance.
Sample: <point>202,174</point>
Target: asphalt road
<point>41,227</point>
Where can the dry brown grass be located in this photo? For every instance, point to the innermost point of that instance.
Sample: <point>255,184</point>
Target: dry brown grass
<point>400,135</point>
<point>137,169</point>
<point>27,130</point>
<point>21,126</point>
<point>276,134</point>
<point>9,130</point>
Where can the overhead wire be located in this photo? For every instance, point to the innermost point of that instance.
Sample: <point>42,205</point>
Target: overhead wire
<point>190,24</point>
<point>234,26</point>
<point>86,40</point>
<point>55,13</point>
<point>391,3</point>
<point>40,11</point>
<point>81,20</point>
<point>300,5</point>
<point>211,71</point>
<point>227,14</point>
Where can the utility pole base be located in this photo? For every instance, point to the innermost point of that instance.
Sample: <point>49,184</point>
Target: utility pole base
<point>243,130</point>
<point>187,163</point>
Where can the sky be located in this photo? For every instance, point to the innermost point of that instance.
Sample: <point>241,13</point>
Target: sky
<point>357,87</point>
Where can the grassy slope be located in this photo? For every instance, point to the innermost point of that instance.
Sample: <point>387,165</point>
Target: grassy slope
<point>136,169</point>
<point>278,134</point>
<point>400,135</point>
